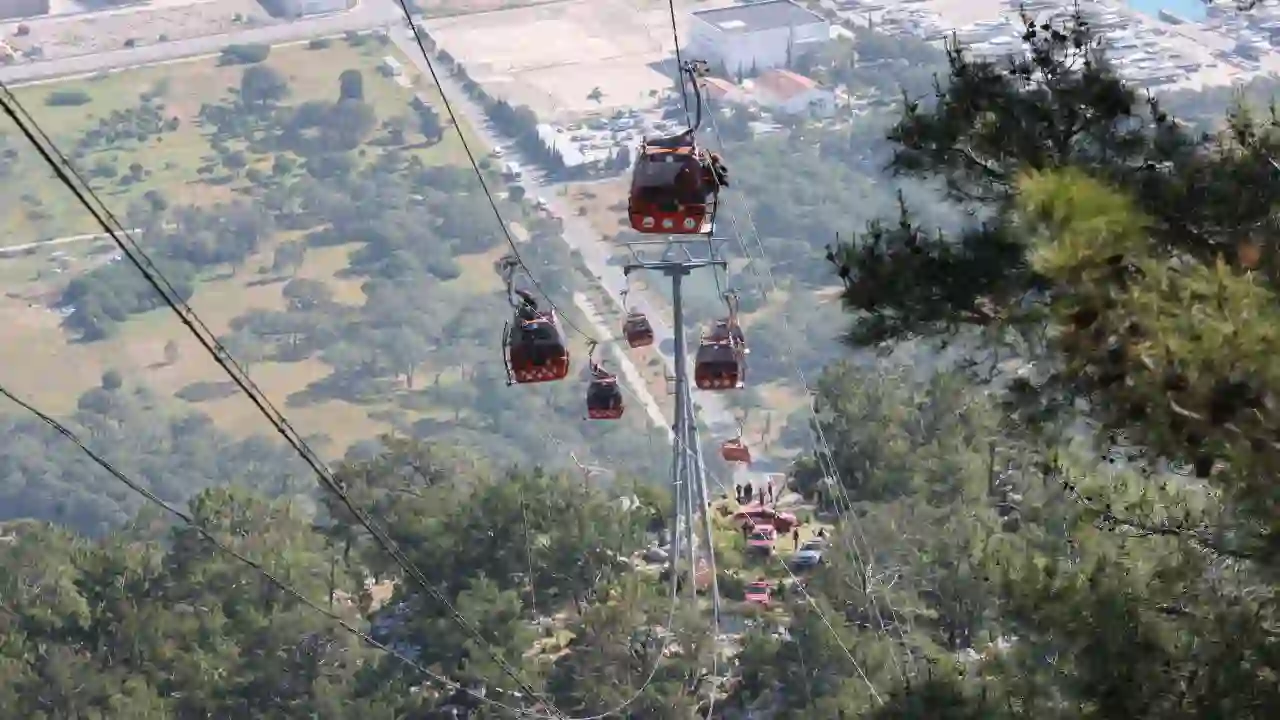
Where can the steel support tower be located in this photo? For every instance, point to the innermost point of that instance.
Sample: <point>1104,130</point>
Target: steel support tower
<point>692,522</point>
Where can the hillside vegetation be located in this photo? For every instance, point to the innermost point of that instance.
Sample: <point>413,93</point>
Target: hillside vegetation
<point>1045,457</point>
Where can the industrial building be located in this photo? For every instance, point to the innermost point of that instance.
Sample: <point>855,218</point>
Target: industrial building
<point>12,9</point>
<point>757,36</point>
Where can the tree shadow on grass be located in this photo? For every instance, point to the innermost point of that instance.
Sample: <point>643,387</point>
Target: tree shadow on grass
<point>203,391</point>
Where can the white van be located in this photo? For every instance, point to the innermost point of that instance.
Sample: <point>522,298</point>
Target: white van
<point>513,171</point>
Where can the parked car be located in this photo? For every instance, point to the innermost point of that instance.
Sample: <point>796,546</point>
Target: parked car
<point>756,516</point>
<point>656,554</point>
<point>762,539</point>
<point>809,554</point>
<point>760,593</point>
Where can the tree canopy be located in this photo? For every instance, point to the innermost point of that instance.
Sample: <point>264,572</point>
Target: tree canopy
<point>1114,296</point>
<point>1044,466</point>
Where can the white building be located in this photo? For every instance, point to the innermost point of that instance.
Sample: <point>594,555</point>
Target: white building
<point>305,8</point>
<point>761,35</point>
<point>791,94</point>
<point>560,142</point>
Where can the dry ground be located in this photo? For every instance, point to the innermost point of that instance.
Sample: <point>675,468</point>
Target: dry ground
<point>37,358</point>
<point>172,158</point>
<point>105,30</point>
<point>450,8</point>
<point>35,354</point>
<point>551,56</point>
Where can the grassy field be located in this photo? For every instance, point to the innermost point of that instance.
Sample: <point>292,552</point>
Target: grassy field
<point>36,355</point>
<point>171,159</point>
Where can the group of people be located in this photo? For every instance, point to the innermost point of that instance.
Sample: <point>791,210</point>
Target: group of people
<point>744,493</point>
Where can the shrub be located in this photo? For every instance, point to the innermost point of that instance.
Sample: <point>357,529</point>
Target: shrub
<point>444,268</point>
<point>67,98</point>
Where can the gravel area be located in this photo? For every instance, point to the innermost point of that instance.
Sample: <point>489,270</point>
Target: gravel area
<point>60,36</point>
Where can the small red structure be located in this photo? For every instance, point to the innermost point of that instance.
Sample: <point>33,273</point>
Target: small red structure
<point>637,330</point>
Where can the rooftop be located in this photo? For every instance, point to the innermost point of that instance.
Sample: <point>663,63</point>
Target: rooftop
<point>783,85</point>
<point>560,143</point>
<point>719,89</point>
<point>758,16</point>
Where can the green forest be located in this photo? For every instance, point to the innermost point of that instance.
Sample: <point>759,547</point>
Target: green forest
<point>1045,442</point>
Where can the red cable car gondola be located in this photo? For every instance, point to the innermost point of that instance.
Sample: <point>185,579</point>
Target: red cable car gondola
<point>604,397</point>
<point>735,451</point>
<point>536,350</point>
<point>637,330</point>
<point>670,194</point>
<point>721,360</point>
<point>718,366</point>
<point>675,184</point>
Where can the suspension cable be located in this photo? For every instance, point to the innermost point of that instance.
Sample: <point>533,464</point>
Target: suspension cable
<point>671,613</point>
<point>675,34</point>
<point>69,176</point>
<point>824,447</point>
<point>475,166</point>
<point>257,567</point>
<point>254,565</point>
<point>825,454</point>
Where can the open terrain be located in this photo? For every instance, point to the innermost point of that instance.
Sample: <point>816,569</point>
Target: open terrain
<point>551,57</point>
<point>82,28</point>
<point>449,8</point>
<point>36,354</point>
<point>37,207</point>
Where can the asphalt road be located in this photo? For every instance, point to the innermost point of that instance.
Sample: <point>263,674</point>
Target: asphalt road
<point>365,16</point>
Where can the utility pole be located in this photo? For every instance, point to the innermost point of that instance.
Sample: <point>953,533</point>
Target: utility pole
<point>688,468</point>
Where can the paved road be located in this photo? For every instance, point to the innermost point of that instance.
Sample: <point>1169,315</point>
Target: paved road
<point>581,236</point>
<point>10,249</point>
<point>365,16</point>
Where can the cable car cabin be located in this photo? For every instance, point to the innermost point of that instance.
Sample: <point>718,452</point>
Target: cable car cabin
<point>673,188</point>
<point>536,350</point>
<point>735,451</point>
<point>604,398</point>
<point>638,331</point>
<point>720,363</point>
<point>718,366</point>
